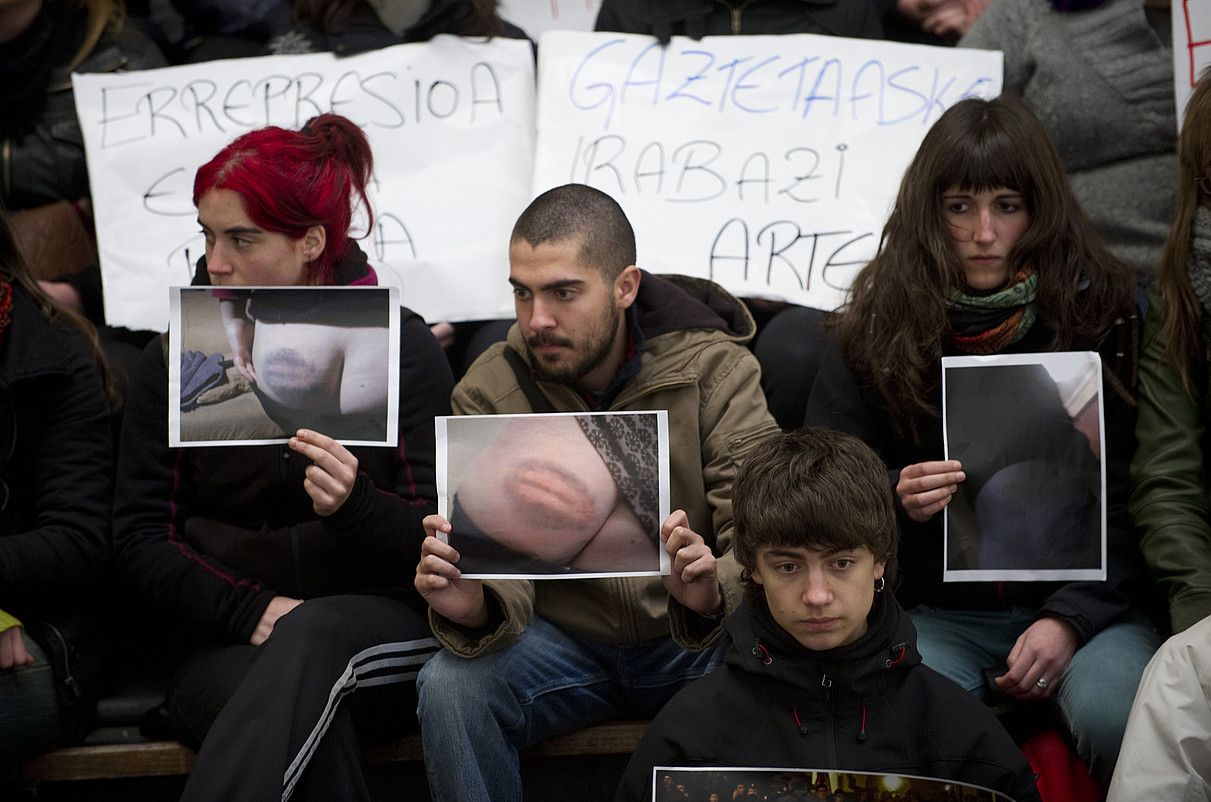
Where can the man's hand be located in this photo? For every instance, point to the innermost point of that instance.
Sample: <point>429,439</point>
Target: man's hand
<point>278,607</point>
<point>926,487</point>
<point>1043,651</point>
<point>440,583</point>
<point>693,579</point>
<point>331,474</point>
<point>12,649</point>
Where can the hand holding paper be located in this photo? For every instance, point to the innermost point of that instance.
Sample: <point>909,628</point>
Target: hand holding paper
<point>926,487</point>
<point>332,472</point>
<point>440,583</point>
<point>693,580</point>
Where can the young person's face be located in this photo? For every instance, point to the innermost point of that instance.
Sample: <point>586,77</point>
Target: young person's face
<point>241,253</point>
<point>984,227</point>
<point>570,315</point>
<point>820,598</point>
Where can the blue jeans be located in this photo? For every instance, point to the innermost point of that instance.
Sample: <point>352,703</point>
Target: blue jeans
<point>30,717</point>
<point>477,714</point>
<point>1095,693</point>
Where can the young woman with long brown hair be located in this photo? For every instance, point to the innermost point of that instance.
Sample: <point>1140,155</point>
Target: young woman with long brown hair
<point>987,252</point>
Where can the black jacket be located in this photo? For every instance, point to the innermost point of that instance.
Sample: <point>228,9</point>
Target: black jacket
<point>212,534</point>
<point>54,526</point>
<point>870,706</point>
<point>42,157</point>
<point>839,400</point>
<point>698,18</point>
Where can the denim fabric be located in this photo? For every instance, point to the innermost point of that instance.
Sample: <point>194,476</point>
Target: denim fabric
<point>476,714</point>
<point>1095,693</point>
<point>30,718</point>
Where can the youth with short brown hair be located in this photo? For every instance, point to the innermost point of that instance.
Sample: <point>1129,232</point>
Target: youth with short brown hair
<point>823,671</point>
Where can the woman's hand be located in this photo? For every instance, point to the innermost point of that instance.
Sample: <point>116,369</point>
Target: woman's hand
<point>331,474</point>
<point>1043,652</point>
<point>926,487</point>
<point>440,583</point>
<point>13,653</point>
<point>693,577</point>
<point>278,607</point>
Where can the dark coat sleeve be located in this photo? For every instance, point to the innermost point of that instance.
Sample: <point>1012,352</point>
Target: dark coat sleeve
<point>151,504</point>
<point>62,469</point>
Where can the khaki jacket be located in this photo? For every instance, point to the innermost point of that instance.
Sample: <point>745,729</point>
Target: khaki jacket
<point>710,385</point>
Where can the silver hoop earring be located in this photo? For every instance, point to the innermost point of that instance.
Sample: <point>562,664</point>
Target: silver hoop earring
<point>880,583</point>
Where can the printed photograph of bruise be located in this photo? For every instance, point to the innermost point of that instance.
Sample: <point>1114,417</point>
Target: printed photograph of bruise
<point>550,496</point>
<point>254,365</point>
<point>1027,429</point>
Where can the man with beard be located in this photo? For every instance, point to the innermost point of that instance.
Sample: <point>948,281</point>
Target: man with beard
<point>525,661</point>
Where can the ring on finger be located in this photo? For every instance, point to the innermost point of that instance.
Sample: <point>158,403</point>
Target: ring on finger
<point>1041,683</point>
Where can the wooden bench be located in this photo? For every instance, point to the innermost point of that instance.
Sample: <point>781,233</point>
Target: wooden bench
<point>169,758</point>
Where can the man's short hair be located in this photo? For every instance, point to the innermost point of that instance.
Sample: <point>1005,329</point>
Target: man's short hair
<point>579,213</point>
<point>816,489</point>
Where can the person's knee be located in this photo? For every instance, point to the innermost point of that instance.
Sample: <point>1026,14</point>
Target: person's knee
<point>314,621</point>
<point>452,683</point>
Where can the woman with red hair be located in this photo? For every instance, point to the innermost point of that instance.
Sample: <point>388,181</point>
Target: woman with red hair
<point>281,564</point>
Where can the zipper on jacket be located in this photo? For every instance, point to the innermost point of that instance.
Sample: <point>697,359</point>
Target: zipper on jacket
<point>830,720</point>
<point>69,681</point>
<point>736,14</point>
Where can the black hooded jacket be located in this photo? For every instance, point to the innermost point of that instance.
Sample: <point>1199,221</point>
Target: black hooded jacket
<point>871,706</point>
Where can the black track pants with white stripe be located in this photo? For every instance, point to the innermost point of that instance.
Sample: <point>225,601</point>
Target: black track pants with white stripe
<point>287,714</point>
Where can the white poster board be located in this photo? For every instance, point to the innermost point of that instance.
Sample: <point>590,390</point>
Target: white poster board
<point>766,163</point>
<point>1191,48</point>
<point>450,123</point>
<point>536,16</point>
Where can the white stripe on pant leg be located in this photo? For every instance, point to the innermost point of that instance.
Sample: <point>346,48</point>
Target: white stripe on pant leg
<point>405,656</point>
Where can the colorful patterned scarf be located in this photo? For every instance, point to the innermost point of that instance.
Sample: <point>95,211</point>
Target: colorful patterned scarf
<point>988,324</point>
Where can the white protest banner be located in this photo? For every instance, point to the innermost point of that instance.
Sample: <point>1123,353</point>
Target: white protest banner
<point>1191,48</point>
<point>766,163</point>
<point>450,123</point>
<point>536,16</point>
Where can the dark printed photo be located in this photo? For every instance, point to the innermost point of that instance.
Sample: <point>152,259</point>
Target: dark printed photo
<point>553,495</point>
<point>785,785</point>
<point>1028,437</point>
<point>256,365</point>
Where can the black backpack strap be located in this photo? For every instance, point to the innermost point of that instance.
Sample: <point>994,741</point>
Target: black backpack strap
<point>525,380</point>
